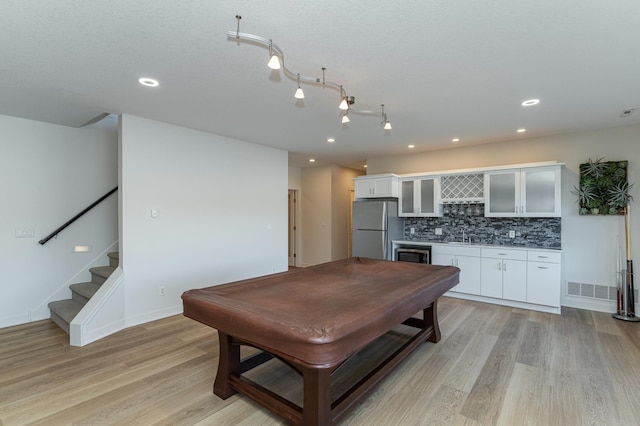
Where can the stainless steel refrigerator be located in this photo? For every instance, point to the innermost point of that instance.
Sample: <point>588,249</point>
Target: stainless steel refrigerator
<point>375,225</point>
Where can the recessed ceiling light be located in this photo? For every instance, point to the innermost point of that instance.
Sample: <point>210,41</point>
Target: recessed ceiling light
<point>312,160</point>
<point>521,130</point>
<point>150,82</point>
<point>455,140</point>
<point>530,102</point>
<point>411,146</point>
<point>331,140</point>
<point>365,166</point>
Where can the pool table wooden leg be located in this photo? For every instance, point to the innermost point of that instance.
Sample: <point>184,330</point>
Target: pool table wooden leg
<point>316,409</point>
<point>430,315</point>
<point>228,364</point>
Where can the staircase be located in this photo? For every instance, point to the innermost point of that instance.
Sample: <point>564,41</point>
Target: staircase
<point>64,311</point>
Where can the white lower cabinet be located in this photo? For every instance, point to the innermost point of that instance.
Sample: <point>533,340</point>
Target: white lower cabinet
<point>519,277</point>
<point>465,258</point>
<point>504,274</point>
<point>543,278</point>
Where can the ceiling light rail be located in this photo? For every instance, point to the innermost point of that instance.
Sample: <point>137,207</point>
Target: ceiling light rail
<point>276,62</point>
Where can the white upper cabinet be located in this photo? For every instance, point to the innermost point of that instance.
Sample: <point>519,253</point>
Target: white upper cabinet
<point>376,186</point>
<point>419,197</point>
<point>530,192</point>
<point>541,188</point>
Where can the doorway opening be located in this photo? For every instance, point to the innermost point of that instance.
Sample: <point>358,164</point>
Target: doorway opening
<point>293,227</point>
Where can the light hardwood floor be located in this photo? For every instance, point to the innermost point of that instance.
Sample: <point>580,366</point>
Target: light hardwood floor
<point>494,366</point>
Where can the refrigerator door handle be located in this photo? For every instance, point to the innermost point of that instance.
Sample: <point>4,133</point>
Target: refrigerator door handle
<point>384,219</point>
<point>384,245</point>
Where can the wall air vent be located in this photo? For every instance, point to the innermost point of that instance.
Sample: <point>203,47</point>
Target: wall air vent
<point>594,291</point>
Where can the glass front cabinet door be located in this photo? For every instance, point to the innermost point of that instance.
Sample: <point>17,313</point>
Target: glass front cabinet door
<point>541,192</point>
<point>531,192</point>
<point>419,197</point>
<point>502,192</point>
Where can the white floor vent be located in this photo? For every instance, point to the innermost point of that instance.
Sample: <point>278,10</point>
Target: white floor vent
<point>594,291</point>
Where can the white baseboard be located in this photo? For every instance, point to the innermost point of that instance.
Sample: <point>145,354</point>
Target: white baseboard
<point>15,320</point>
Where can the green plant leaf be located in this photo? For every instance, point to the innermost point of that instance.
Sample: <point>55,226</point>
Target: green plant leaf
<point>595,168</point>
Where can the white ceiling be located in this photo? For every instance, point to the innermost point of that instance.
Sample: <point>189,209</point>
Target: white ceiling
<point>443,69</point>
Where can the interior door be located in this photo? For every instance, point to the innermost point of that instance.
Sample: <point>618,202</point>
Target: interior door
<point>293,195</point>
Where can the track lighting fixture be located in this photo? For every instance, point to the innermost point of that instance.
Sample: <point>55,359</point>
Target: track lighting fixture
<point>276,62</point>
<point>299,93</point>
<point>345,100</point>
<point>386,125</point>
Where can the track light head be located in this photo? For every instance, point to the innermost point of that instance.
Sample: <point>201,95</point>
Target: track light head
<point>345,118</point>
<point>386,125</point>
<point>274,61</point>
<point>299,93</point>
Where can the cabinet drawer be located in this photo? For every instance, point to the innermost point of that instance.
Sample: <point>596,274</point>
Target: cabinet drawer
<point>543,256</point>
<point>500,253</point>
<point>455,250</point>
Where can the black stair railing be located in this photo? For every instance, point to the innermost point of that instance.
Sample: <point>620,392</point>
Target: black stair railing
<point>76,217</point>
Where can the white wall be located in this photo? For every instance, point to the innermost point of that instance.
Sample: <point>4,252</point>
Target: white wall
<point>341,187</point>
<point>48,174</point>
<point>588,242</point>
<point>325,213</point>
<point>222,213</point>
<point>315,199</point>
<point>295,178</point>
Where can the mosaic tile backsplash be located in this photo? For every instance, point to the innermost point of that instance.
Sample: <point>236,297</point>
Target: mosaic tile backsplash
<point>529,232</point>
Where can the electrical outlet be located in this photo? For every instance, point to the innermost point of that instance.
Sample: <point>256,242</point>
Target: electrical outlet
<point>512,234</point>
<point>438,231</point>
<point>413,230</point>
<point>162,291</point>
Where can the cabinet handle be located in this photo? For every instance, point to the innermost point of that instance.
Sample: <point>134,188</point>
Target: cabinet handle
<point>500,266</point>
<point>502,254</point>
<point>543,267</point>
<point>543,257</point>
<point>504,266</point>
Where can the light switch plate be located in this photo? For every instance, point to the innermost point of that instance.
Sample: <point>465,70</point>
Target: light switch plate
<point>24,232</point>
<point>438,231</point>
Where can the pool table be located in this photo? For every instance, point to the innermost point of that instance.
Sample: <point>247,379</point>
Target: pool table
<point>314,319</point>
